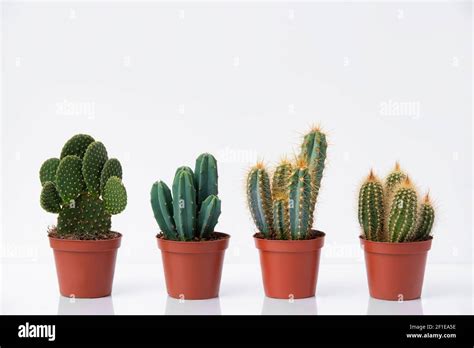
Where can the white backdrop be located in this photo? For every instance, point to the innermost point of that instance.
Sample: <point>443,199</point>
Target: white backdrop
<point>161,82</point>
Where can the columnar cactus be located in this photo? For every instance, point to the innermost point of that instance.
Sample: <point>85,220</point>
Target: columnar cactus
<point>84,187</point>
<point>391,212</point>
<point>192,211</point>
<point>285,209</point>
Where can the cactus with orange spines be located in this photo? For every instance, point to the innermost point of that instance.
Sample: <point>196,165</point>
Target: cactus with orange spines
<point>392,212</point>
<point>285,209</point>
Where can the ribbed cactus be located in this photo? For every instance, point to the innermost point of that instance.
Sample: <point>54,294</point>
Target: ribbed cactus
<point>286,209</point>
<point>259,199</point>
<point>82,188</point>
<point>371,208</point>
<point>392,213</point>
<point>192,211</point>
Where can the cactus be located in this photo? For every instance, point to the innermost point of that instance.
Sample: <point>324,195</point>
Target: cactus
<point>192,211</point>
<point>281,218</point>
<point>300,201</point>
<point>425,219</point>
<point>371,208</point>
<point>259,199</point>
<point>205,174</point>
<point>72,189</point>
<point>281,178</point>
<point>286,210</point>
<point>392,213</point>
<point>313,152</point>
<point>395,178</point>
<point>402,216</point>
<point>162,205</point>
<point>184,204</point>
<point>208,216</point>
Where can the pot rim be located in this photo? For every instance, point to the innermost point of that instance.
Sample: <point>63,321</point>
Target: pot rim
<point>85,245</point>
<point>194,247</point>
<point>290,245</point>
<point>400,248</point>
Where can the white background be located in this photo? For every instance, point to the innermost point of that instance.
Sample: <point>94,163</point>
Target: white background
<point>158,83</point>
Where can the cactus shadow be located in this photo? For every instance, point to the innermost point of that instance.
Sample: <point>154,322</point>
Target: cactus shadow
<point>85,306</point>
<point>382,307</point>
<point>273,306</point>
<point>193,307</point>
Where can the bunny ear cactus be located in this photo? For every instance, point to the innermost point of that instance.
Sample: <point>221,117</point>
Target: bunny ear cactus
<point>192,210</point>
<point>72,189</point>
<point>286,209</point>
<point>392,213</point>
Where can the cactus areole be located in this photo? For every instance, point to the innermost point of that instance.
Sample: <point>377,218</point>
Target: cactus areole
<point>84,187</point>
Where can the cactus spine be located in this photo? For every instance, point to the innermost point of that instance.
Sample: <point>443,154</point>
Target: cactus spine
<point>286,209</point>
<point>371,208</point>
<point>392,213</point>
<point>192,211</point>
<point>72,189</point>
<point>259,199</point>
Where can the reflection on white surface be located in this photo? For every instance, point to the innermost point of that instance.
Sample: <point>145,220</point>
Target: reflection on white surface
<point>381,307</point>
<point>193,307</point>
<point>85,306</point>
<point>273,306</point>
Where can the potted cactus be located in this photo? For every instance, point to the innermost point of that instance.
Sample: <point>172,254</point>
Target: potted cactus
<point>85,188</point>
<point>396,235</point>
<point>283,209</point>
<point>192,252</point>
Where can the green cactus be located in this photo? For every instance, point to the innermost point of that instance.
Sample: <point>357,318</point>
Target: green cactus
<point>205,175</point>
<point>401,221</point>
<point>259,198</point>
<point>162,205</point>
<point>281,178</point>
<point>69,181</point>
<point>184,204</point>
<point>286,211</point>
<point>401,218</point>
<point>371,208</point>
<point>50,199</point>
<point>72,189</point>
<point>281,218</point>
<point>178,215</point>
<point>300,204</point>
<point>394,178</point>
<point>425,220</point>
<point>85,217</point>
<point>115,196</point>
<point>313,151</point>
<point>208,216</point>
<point>48,170</point>
<point>77,145</point>
<point>92,165</point>
<point>112,167</point>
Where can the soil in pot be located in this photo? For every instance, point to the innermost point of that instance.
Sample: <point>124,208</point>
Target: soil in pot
<point>290,267</point>
<point>395,271</point>
<point>193,268</point>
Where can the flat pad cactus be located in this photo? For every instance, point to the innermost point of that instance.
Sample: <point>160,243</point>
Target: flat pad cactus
<point>69,179</point>
<point>48,170</point>
<point>50,200</point>
<point>93,163</point>
<point>115,196</point>
<point>77,145</point>
<point>112,167</point>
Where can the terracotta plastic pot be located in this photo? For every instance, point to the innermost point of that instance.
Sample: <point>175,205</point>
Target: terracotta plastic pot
<point>85,268</point>
<point>193,269</point>
<point>290,267</point>
<point>395,271</point>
